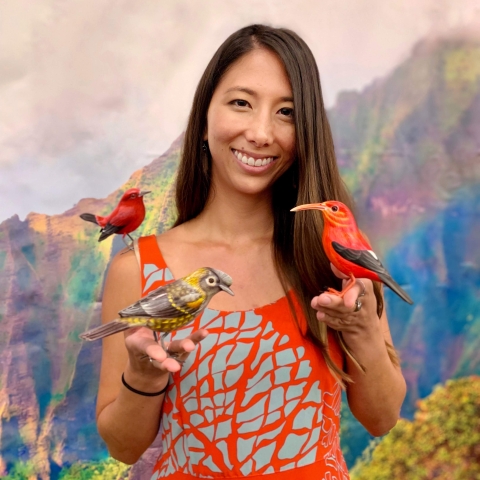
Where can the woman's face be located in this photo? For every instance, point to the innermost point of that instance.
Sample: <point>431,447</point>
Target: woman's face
<point>250,128</point>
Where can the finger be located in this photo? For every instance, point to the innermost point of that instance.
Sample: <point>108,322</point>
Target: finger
<point>198,336</point>
<point>342,323</point>
<point>334,303</point>
<point>329,301</point>
<point>324,318</point>
<point>142,345</point>
<point>351,296</point>
<point>140,342</point>
<point>335,308</point>
<point>356,291</point>
<point>169,364</point>
<point>188,344</point>
<point>156,352</point>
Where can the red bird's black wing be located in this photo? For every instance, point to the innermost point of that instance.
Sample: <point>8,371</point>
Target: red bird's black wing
<point>368,260</point>
<point>108,230</point>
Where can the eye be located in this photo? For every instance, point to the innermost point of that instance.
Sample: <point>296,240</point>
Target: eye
<point>133,195</point>
<point>334,208</point>
<point>211,280</point>
<point>239,103</point>
<point>287,112</point>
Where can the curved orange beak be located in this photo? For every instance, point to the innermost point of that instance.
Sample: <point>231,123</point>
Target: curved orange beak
<point>309,206</point>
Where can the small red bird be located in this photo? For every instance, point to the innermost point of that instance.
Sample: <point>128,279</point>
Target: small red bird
<point>127,216</point>
<point>348,250</point>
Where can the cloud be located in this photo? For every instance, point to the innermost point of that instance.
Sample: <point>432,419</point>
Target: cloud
<point>91,91</point>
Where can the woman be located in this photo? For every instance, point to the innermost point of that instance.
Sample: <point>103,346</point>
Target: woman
<point>260,389</point>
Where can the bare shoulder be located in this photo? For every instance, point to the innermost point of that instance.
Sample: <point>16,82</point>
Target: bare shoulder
<point>122,285</point>
<point>124,263</point>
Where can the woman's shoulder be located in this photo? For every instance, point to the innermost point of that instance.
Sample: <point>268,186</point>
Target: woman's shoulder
<point>174,236</point>
<point>123,263</point>
<point>122,280</point>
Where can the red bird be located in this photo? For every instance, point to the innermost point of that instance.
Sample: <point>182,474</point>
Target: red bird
<point>348,250</point>
<point>127,216</point>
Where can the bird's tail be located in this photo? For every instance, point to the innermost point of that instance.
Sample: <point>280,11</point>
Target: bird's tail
<point>105,330</point>
<point>89,217</point>
<point>389,281</point>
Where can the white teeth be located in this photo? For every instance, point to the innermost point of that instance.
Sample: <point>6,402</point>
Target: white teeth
<point>251,161</point>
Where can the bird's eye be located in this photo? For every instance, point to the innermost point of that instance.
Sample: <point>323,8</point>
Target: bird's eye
<point>334,208</point>
<point>211,280</point>
<point>133,195</point>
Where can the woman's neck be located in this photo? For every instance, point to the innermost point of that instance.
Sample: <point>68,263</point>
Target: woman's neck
<point>235,218</point>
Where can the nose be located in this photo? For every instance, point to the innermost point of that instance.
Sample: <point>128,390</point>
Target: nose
<point>260,130</point>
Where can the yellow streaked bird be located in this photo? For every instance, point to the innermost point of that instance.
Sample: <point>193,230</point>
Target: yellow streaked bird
<point>168,307</point>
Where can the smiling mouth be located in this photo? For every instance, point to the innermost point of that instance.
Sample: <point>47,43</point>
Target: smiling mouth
<point>252,162</point>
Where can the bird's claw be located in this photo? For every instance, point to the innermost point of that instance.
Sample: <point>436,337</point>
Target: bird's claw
<point>129,245</point>
<point>170,354</point>
<point>335,292</point>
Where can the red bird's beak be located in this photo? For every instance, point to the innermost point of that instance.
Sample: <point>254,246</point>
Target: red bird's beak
<point>309,206</point>
<point>144,192</point>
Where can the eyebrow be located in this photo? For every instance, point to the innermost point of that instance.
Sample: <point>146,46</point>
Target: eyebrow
<point>254,94</point>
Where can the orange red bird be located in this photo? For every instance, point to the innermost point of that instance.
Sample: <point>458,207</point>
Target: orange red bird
<point>348,250</point>
<point>126,217</point>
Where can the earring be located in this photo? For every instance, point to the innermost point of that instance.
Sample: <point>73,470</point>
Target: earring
<point>205,146</point>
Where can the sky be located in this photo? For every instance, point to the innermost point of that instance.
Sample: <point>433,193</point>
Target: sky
<point>92,90</point>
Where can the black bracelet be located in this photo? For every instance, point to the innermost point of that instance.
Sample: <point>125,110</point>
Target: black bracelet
<point>145,394</point>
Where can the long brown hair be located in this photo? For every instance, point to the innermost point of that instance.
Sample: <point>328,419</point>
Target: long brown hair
<point>313,177</point>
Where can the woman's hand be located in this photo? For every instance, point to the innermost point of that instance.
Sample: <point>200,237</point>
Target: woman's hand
<point>379,382</point>
<point>147,358</point>
<point>339,313</point>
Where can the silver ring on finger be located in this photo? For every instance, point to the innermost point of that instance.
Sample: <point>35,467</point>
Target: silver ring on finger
<point>363,291</point>
<point>358,305</point>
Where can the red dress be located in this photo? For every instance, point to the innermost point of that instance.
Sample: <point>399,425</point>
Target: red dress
<point>254,398</point>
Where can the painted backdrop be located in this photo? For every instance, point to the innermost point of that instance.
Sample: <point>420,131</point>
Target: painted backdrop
<point>94,97</point>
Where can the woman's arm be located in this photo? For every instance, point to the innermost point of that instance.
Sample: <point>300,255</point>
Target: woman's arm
<point>376,396</point>
<point>129,422</point>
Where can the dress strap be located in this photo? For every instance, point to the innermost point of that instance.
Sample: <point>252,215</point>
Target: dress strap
<point>153,269</point>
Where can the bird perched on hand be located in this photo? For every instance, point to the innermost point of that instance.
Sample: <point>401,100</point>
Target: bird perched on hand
<point>168,307</point>
<point>126,217</point>
<point>348,250</point>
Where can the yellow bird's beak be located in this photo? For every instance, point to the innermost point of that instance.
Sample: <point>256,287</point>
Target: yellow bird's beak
<point>226,289</point>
